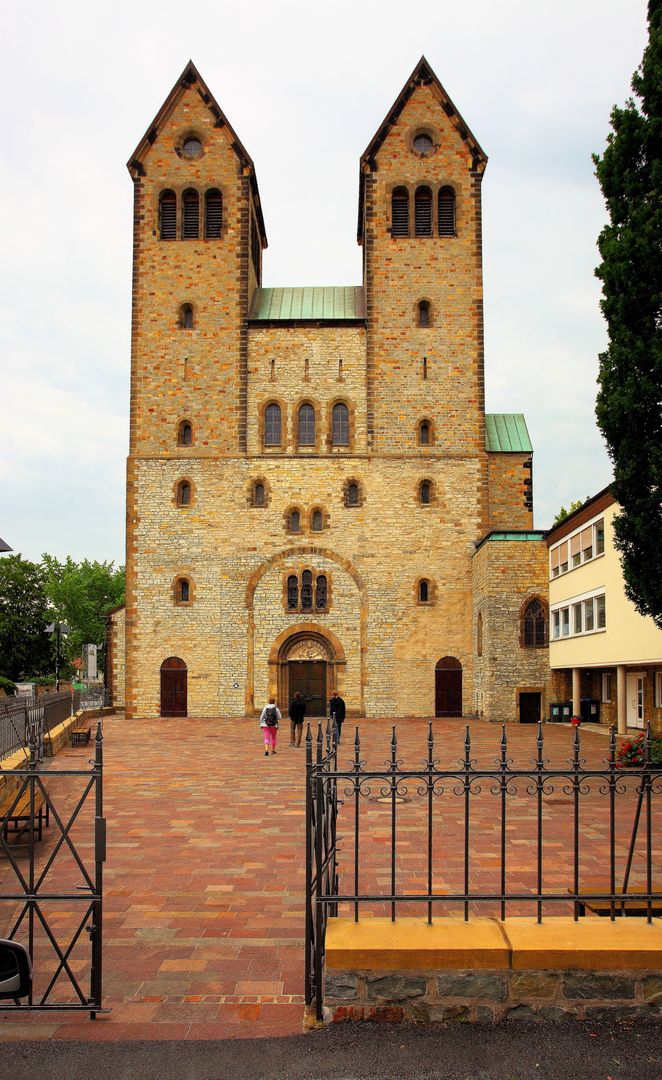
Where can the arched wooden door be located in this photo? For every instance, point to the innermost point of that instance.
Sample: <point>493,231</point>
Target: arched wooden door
<point>448,687</point>
<point>173,687</point>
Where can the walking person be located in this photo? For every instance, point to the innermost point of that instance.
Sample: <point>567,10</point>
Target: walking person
<point>297,712</point>
<point>269,719</point>
<point>337,710</point>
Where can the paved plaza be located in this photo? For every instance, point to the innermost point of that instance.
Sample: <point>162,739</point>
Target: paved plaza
<point>204,883</point>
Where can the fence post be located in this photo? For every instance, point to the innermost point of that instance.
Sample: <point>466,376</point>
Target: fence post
<point>309,867</point>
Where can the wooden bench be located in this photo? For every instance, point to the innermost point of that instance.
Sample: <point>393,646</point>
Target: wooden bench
<point>20,815</point>
<point>628,907</point>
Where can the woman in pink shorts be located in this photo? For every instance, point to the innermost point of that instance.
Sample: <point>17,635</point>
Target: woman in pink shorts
<point>269,720</point>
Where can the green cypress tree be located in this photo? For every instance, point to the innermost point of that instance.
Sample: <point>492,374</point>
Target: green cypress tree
<point>629,402</point>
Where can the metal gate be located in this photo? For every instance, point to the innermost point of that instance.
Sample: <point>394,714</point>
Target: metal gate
<point>52,850</point>
<point>321,852</point>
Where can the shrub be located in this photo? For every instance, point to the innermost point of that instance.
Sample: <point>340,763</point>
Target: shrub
<point>7,685</point>
<point>632,752</point>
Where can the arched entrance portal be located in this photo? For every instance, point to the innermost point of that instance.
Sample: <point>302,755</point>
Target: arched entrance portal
<point>173,687</point>
<point>305,667</point>
<point>448,687</point>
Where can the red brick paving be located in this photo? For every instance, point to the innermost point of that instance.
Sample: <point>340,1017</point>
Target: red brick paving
<point>204,884</point>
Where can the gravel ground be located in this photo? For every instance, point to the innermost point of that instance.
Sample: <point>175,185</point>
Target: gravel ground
<point>519,1050</point>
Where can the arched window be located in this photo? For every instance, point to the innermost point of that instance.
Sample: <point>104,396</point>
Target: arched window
<point>321,592</point>
<point>182,591</point>
<point>479,634</point>
<point>183,493</point>
<point>340,426</point>
<point>318,521</point>
<point>423,212</point>
<point>425,490</point>
<point>307,590</point>
<point>423,592</point>
<point>424,433</point>
<point>213,214</point>
<point>295,521</point>
<point>186,316</point>
<point>306,425</point>
<point>258,495</point>
<point>352,494</point>
<point>168,215</point>
<point>184,433</point>
<point>446,212</point>
<point>424,313</point>
<point>190,214</point>
<point>272,425</point>
<point>400,212</point>
<point>292,592</point>
<point>535,624</point>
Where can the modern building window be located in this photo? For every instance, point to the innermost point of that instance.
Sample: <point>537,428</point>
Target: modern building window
<point>424,313</point>
<point>272,425</point>
<point>557,623</point>
<point>306,425</point>
<point>321,592</point>
<point>424,492</point>
<point>423,212</point>
<point>168,215</point>
<point>565,622</point>
<point>190,214</point>
<point>307,590</point>
<point>577,618</point>
<point>318,521</point>
<point>213,214</point>
<point>340,425</point>
<point>600,613</point>
<point>599,538</point>
<point>584,617</point>
<point>446,211</point>
<point>589,623</point>
<point>184,433</point>
<point>400,212</point>
<point>658,689</point>
<point>186,317</point>
<point>606,687</point>
<point>582,546</point>
<point>183,493</point>
<point>535,625</point>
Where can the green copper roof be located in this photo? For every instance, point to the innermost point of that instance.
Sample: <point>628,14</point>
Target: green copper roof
<point>506,433</point>
<point>343,302</point>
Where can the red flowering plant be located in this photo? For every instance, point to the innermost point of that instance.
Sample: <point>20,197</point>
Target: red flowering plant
<point>633,751</point>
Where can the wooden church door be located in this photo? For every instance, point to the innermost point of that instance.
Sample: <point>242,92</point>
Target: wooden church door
<point>448,687</point>
<point>173,687</point>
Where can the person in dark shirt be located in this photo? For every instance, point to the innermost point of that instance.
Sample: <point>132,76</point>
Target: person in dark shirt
<point>297,712</point>
<point>337,710</point>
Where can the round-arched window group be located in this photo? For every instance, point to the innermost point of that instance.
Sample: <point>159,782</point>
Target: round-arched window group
<point>306,425</point>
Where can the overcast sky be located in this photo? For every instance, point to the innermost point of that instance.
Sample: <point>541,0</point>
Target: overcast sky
<point>305,85</point>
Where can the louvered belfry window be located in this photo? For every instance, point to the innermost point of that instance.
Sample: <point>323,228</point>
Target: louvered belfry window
<point>306,425</point>
<point>292,592</point>
<point>535,624</point>
<point>306,590</point>
<point>340,425</point>
<point>400,212</point>
<point>190,215</point>
<point>168,215</point>
<point>213,214</point>
<point>272,425</point>
<point>446,212</point>
<point>320,592</point>
<point>423,211</point>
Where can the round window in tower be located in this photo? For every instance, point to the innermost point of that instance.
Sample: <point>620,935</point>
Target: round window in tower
<point>191,147</point>
<point>422,144</point>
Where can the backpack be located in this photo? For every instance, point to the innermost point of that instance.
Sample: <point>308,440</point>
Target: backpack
<point>271,716</point>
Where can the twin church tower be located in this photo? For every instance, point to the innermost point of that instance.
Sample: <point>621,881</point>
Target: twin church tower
<point>316,499</point>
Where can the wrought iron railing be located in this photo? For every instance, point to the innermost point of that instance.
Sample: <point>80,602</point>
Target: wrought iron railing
<point>27,718</point>
<point>442,814</point>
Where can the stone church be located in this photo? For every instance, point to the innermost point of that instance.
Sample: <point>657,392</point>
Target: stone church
<point>316,498</point>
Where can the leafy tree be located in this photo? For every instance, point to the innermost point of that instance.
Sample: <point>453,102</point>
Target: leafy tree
<point>630,397</point>
<point>563,513</point>
<point>25,647</point>
<point>81,594</point>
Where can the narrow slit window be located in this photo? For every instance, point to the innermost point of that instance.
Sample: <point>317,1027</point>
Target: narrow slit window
<point>184,494</point>
<point>353,495</point>
<point>183,591</point>
<point>425,492</point>
<point>213,214</point>
<point>423,212</point>
<point>186,317</point>
<point>424,434</point>
<point>185,434</point>
<point>424,313</point>
<point>259,494</point>
<point>307,590</point>
<point>318,521</point>
<point>292,593</point>
<point>272,425</point>
<point>400,212</point>
<point>446,212</point>
<point>190,215</point>
<point>340,432</point>
<point>168,215</point>
<point>423,592</point>
<point>295,521</point>
<point>306,425</point>
<point>320,592</point>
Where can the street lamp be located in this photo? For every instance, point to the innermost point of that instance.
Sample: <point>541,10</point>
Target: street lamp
<point>57,628</point>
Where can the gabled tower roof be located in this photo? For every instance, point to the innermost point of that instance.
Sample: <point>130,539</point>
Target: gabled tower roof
<point>191,77</point>
<point>422,75</point>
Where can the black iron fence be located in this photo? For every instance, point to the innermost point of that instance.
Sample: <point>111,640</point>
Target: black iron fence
<point>491,839</point>
<point>28,718</point>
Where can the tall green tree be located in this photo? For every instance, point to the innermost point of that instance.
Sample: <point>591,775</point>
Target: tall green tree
<point>629,403</point>
<point>81,594</point>
<point>25,647</point>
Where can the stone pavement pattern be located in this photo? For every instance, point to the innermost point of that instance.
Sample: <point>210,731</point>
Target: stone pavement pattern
<point>204,884</point>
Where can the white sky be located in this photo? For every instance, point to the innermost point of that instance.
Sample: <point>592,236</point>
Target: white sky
<point>305,85</point>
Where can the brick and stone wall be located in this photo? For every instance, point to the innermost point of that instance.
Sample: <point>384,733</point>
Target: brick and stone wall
<point>507,491</point>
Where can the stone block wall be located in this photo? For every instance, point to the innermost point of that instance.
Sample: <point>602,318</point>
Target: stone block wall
<point>115,656</point>
<point>507,491</point>
<point>488,996</point>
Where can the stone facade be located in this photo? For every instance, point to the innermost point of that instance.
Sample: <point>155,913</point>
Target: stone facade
<point>221,514</point>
